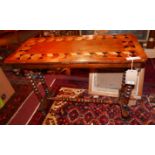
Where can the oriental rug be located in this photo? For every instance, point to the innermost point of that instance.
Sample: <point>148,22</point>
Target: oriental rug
<point>23,89</point>
<point>74,113</point>
<point>143,112</point>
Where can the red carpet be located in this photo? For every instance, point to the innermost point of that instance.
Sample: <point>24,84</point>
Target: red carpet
<point>78,113</point>
<point>22,90</point>
<point>69,113</point>
<point>65,81</point>
<point>15,112</point>
<point>29,106</point>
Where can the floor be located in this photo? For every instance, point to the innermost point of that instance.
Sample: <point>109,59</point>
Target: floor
<point>24,100</point>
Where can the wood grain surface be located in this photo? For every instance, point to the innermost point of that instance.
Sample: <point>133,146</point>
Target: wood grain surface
<point>74,51</point>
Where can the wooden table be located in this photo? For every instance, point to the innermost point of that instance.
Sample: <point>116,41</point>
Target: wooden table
<point>91,51</point>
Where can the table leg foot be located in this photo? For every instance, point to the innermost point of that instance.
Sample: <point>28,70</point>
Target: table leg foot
<point>125,111</point>
<point>43,82</point>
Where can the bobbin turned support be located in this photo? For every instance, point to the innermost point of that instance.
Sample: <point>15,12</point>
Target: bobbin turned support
<point>40,76</point>
<point>124,98</point>
<point>32,78</point>
<point>129,79</point>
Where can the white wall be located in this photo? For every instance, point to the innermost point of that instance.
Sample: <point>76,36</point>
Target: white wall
<point>150,53</point>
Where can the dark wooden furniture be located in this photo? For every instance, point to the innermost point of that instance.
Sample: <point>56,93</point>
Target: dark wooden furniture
<point>93,51</point>
<point>151,39</point>
<point>58,33</point>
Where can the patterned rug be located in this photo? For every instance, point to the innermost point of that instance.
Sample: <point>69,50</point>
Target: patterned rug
<point>23,89</point>
<point>91,113</point>
<point>64,81</point>
<point>73,113</point>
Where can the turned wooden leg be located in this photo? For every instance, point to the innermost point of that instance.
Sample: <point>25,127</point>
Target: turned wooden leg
<point>43,82</point>
<point>123,80</point>
<point>124,97</point>
<point>31,77</point>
